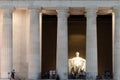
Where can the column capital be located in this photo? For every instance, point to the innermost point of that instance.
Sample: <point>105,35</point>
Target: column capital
<point>91,9</point>
<point>62,11</point>
<point>33,9</point>
<point>8,12</point>
<point>116,8</point>
<point>7,9</point>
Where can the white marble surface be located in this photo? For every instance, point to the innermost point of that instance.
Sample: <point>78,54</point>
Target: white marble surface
<point>91,43</point>
<point>6,59</point>
<point>34,44</point>
<point>57,3</point>
<point>116,54</point>
<point>62,44</point>
<point>20,34</point>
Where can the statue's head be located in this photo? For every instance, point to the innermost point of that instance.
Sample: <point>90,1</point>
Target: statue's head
<point>77,54</point>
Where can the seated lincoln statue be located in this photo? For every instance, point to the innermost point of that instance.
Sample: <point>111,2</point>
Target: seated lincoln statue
<point>77,64</point>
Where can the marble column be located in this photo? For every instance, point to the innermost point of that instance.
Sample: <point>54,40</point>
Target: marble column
<point>116,54</point>
<point>91,44</point>
<point>7,46</point>
<point>40,32</point>
<point>34,45</point>
<point>1,19</point>
<point>62,43</point>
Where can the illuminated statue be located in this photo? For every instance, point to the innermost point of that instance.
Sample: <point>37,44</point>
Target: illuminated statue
<point>77,64</point>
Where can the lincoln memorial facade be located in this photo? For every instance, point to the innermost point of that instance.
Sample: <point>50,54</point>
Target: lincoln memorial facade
<point>37,36</point>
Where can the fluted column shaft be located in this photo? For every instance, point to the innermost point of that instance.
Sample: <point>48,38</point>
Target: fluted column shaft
<point>1,19</point>
<point>116,54</point>
<point>7,50</point>
<point>62,44</point>
<point>91,44</point>
<point>34,42</point>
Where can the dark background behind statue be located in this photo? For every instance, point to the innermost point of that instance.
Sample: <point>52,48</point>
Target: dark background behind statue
<point>77,40</point>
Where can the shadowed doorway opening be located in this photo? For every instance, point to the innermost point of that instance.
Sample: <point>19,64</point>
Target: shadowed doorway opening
<point>76,44</point>
<point>49,37</point>
<point>76,35</point>
<point>104,41</point>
